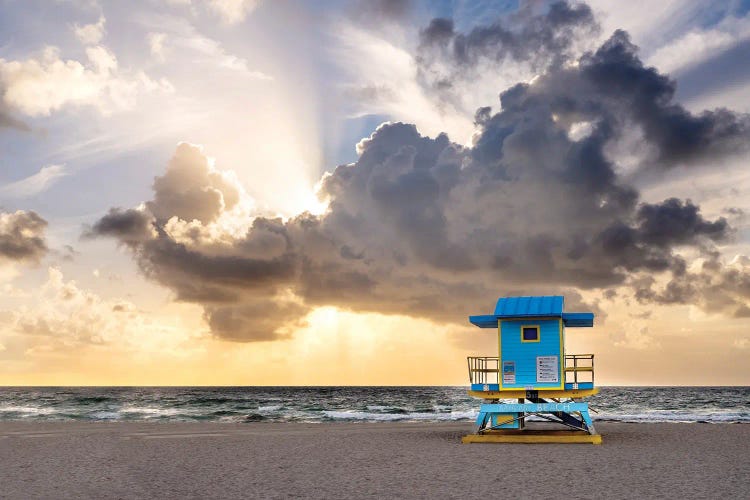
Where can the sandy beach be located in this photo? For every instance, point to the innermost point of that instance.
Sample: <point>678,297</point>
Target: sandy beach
<point>339,460</point>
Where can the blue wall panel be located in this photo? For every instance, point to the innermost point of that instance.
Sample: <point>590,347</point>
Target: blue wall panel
<point>524,354</point>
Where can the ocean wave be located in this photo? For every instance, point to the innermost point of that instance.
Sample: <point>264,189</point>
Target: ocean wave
<point>85,400</point>
<point>348,404</point>
<point>270,408</point>
<point>676,417</point>
<point>105,415</point>
<point>150,410</point>
<point>26,410</point>
<point>209,401</point>
<point>254,417</point>
<point>391,417</point>
<point>223,413</point>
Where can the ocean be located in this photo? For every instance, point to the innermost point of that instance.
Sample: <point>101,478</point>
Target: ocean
<point>347,404</point>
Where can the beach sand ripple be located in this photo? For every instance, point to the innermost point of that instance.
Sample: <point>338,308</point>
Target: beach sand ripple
<point>364,460</point>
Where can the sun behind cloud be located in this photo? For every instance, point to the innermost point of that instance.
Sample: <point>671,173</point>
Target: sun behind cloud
<point>348,185</point>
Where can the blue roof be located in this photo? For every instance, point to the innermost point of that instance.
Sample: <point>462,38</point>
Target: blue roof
<point>578,319</point>
<point>514,307</point>
<point>548,306</point>
<point>487,321</point>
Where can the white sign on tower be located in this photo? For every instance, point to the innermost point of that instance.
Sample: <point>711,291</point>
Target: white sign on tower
<point>547,369</point>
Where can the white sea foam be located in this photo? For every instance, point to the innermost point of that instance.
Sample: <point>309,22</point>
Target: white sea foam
<point>150,411</point>
<point>391,417</point>
<point>27,410</point>
<point>105,415</point>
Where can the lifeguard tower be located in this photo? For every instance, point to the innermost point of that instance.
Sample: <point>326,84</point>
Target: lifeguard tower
<point>532,375</point>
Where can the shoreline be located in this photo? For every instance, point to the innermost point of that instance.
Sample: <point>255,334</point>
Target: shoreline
<point>346,404</point>
<point>363,460</point>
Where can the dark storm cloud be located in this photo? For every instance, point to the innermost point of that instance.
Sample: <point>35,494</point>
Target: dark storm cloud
<point>647,244</point>
<point>195,274</point>
<point>536,37</point>
<point>610,84</point>
<point>22,236</point>
<point>439,32</point>
<point>524,36</point>
<point>129,226</point>
<point>673,222</point>
<point>615,72</point>
<point>425,227</point>
<point>613,91</point>
<point>715,287</point>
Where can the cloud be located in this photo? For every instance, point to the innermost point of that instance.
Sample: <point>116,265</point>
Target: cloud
<point>68,253</point>
<point>646,97</point>
<point>439,84</point>
<point>40,85</point>
<point>698,45</point>
<point>192,188</point>
<point>542,38</point>
<point>7,120</point>
<point>697,84</point>
<point>77,316</point>
<point>230,11</point>
<point>34,184</point>
<point>129,226</point>
<point>233,11</point>
<point>426,227</point>
<point>379,11</point>
<point>22,236</point>
<point>90,34</point>
<point>156,45</point>
<point>716,287</point>
<point>674,222</point>
<point>61,316</point>
<point>185,37</point>
<point>529,38</point>
<point>634,334</point>
<point>383,80</point>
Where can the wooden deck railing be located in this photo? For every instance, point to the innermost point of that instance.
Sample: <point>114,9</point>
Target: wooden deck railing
<point>486,369</point>
<point>483,370</point>
<point>579,363</point>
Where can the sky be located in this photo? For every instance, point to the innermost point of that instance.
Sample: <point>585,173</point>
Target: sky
<point>249,192</point>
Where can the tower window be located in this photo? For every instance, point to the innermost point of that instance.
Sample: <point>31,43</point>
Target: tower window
<point>530,334</point>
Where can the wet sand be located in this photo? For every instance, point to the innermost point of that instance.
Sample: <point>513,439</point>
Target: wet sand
<point>340,460</point>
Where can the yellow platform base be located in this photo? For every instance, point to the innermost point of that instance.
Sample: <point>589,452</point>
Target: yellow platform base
<point>531,437</point>
<point>547,393</point>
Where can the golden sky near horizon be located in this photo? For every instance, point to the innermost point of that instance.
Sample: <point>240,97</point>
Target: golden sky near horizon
<point>237,192</point>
